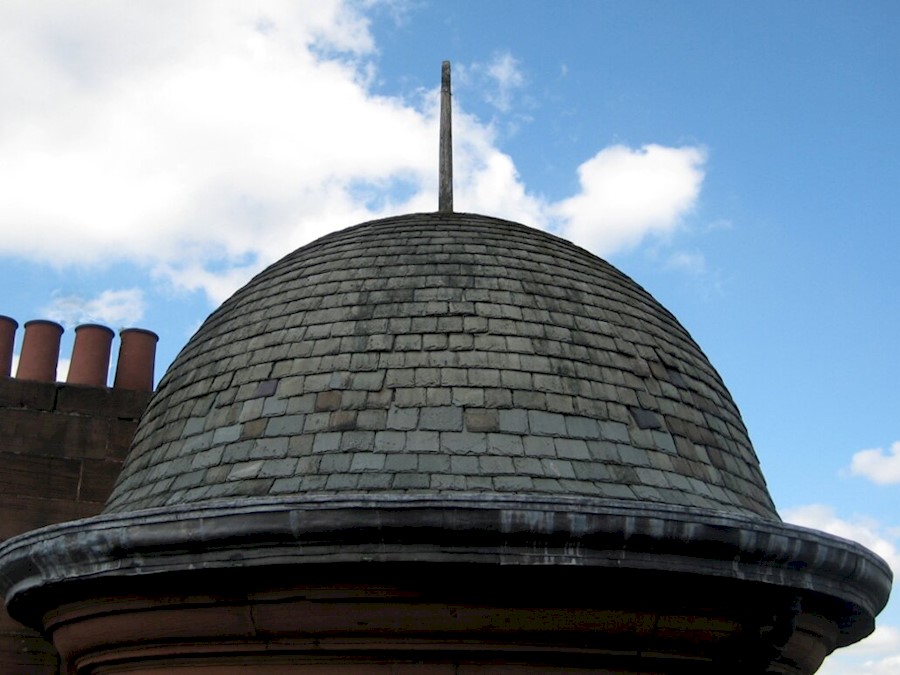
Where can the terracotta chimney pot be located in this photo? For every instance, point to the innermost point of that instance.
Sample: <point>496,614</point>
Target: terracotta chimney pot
<point>137,354</point>
<point>7,339</point>
<point>90,355</point>
<point>40,351</point>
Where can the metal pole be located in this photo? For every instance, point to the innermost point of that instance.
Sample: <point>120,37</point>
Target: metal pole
<point>445,189</point>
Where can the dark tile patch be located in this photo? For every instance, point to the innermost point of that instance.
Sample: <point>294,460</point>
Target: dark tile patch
<point>645,419</point>
<point>266,388</point>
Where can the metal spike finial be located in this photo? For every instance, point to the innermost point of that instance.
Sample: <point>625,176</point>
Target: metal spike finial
<point>445,169</point>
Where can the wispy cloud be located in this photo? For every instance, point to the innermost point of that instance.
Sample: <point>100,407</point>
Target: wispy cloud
<point>506,76</point>
<point>497,81</point>
<point>111,307</point>
<point>692,262</point>
<point>877,465</point>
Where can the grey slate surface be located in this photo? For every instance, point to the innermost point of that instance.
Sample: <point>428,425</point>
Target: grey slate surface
<point>443,353</point>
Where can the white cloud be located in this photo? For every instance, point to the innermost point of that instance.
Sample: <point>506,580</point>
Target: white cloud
<point>180,133</point>
<point>885,639</point>
<point>62,368</point>
<point>877,465</point>
<point>627,194</point>
<point>867,531</point>
<point>486,179</point>
<point>692,262</point>
<point>119,308</point>
<point>204,140</point>
<point>886,666</point>
<point>878,654</point>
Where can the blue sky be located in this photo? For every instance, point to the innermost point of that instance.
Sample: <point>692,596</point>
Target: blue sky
<point>739,160</point>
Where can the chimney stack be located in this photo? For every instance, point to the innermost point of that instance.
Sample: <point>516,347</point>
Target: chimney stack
<point>40,351</point>
<point>137,354</point>
<point>90,355</point>
<point>7,342</point>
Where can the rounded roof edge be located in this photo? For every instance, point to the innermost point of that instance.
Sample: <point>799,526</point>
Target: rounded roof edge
<point>255,533</point>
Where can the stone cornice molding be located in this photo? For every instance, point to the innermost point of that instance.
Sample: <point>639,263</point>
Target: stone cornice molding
<point>472,528</point>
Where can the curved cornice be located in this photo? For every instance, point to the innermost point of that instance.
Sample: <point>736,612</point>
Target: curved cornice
<point>507,530</point>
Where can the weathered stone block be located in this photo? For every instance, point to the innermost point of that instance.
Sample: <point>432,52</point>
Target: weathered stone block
<point>239,472</point>
<point>546,424</point>
<point>505,444</point>
<point>390,441</point>
<point>468,397</point>
<point>411,481</point>
<point>326,442</point>
<point>227,434</point>
<point>614,431</point>
<point>402,418</point>
<point>422,441</point>
<point>481,420</point>
<point>582,427</point>
<point>400,462</point>
<point>367,461</point>
<point>558,468</point>
<point>494,464</point>
<point>207,458</point>
<point>444,418</point>
<point>572,448</point>
<point>274,406</point>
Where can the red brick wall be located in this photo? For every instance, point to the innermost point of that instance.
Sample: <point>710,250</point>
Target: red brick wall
<point>61,448</point>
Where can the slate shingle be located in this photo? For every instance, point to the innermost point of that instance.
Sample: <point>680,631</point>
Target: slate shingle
<point>438,353</point>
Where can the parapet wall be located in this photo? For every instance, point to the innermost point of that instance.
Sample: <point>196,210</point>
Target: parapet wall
<point>62,448</point>
<point>62,444</point>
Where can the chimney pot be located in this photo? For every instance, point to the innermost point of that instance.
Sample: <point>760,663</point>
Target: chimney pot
<point>8,327</point>
<point>90,355</point>
<point>40,351</point>
<point>137,354</point>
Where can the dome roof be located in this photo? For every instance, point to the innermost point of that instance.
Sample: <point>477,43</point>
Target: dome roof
<point>443,354</point>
